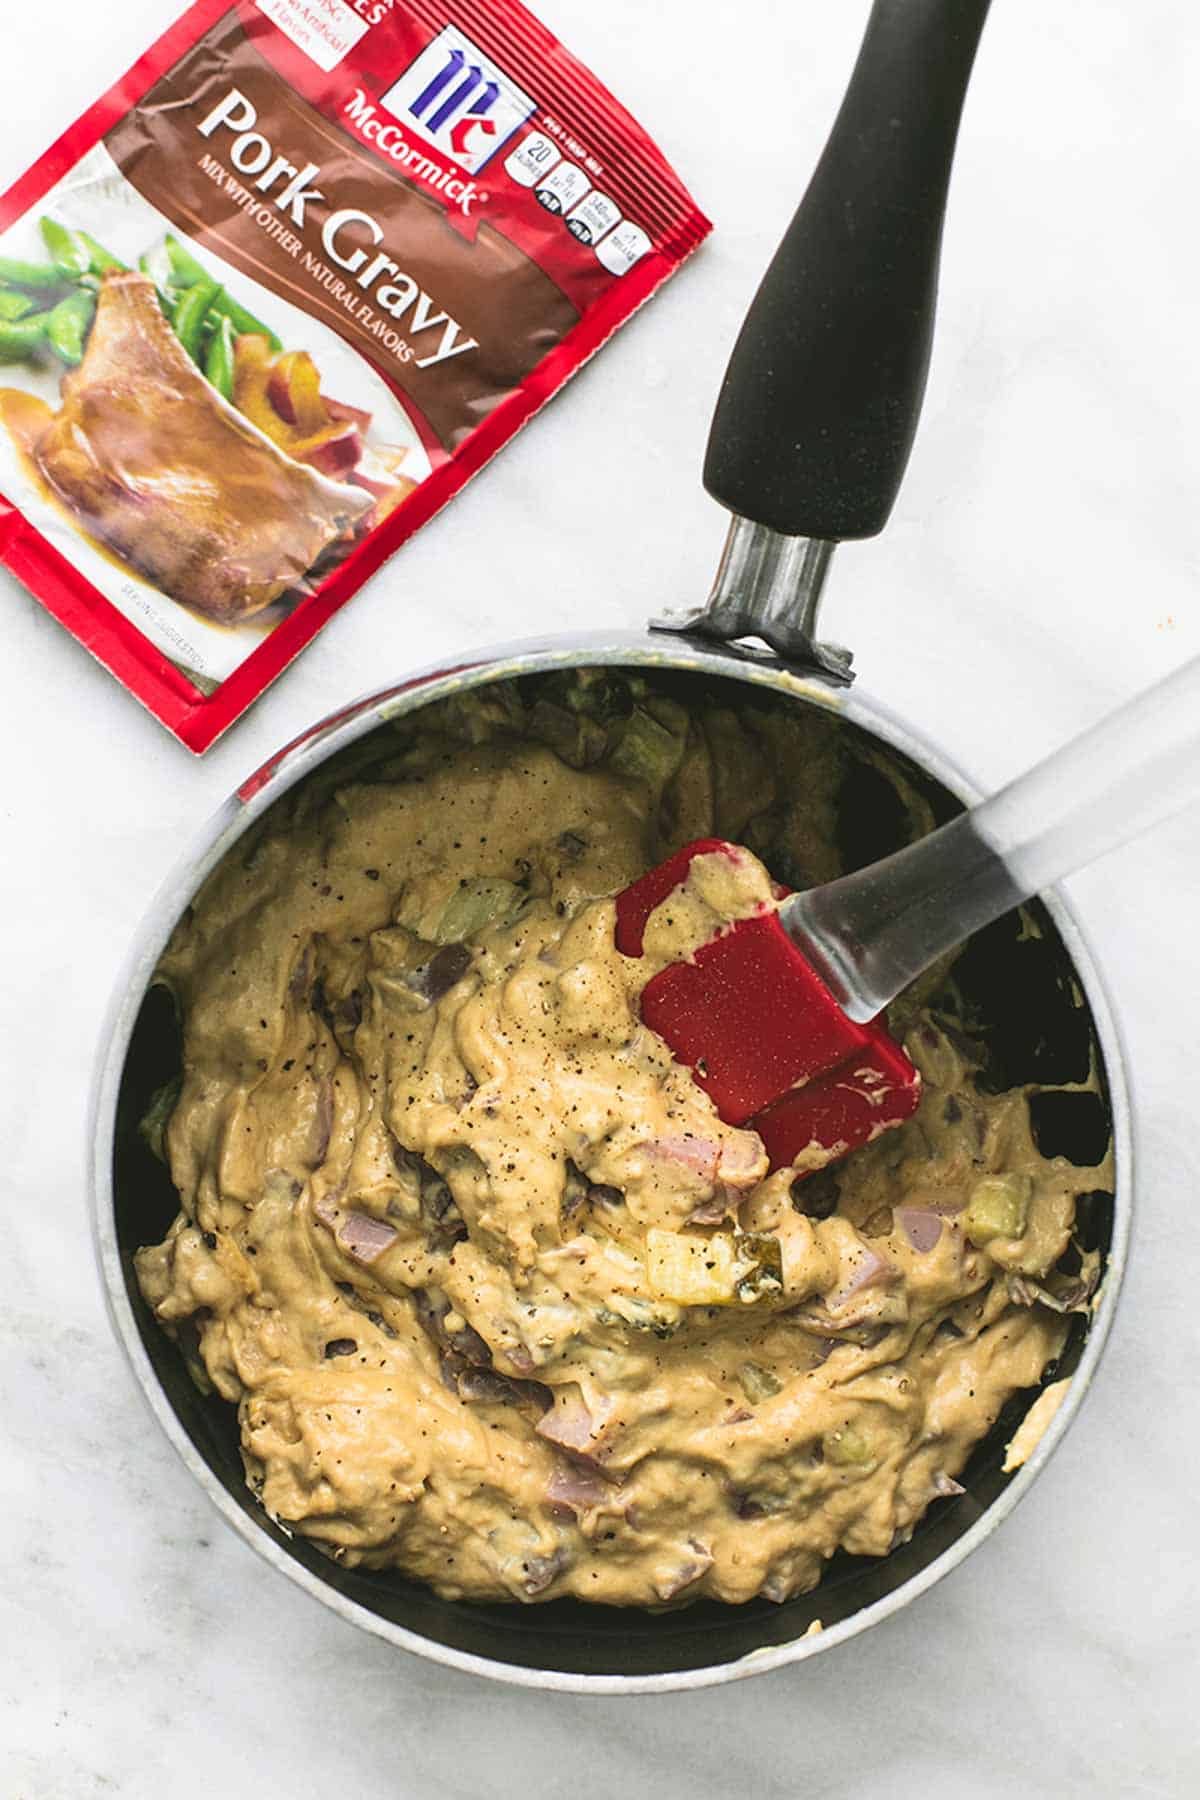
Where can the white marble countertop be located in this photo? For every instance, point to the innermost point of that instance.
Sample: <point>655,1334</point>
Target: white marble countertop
<point>1042,565</point>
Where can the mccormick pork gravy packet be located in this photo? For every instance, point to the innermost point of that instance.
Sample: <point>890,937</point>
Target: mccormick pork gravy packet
<point>278,296</point>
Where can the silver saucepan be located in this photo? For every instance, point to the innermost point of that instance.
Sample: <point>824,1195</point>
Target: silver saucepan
<point>838,340</point>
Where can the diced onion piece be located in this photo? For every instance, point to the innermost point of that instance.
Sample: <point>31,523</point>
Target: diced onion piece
<point>699,1154</point>
<point>694,1565</point>
<point>365,1238</point>
<point>870,1270</point>
<point>570,1422</point>
<point>576,1488</point>
<point>743,1161</point>
<point>921,1226</point>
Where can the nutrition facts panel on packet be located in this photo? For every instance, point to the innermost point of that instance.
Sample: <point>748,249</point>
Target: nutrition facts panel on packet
<point>622,248</point>
<point>594,215</point>
<point>563,188</point>
<point>532,158</point>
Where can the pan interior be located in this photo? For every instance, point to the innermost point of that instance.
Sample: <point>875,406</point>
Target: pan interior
<point>1024,1001</point>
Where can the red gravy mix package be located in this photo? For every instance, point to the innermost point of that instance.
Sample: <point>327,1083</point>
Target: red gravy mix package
<point>278,296</point>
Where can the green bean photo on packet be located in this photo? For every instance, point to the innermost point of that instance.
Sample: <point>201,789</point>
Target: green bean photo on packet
<point>36,276</point>
<point>244,323</point>
<point>70,254</point>
<point>220,359</point>
<point>185,270</point>
<point>21,339</point>
<point>101,261</point>
<point>68,324</point>
<point>190,314</point>
<point>14,305</point>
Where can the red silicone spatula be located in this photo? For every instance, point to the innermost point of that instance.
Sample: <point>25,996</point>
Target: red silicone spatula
<point>778,1016</point>
<point>764,1034</point>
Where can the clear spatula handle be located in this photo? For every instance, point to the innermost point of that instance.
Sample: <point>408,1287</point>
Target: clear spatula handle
<point>870,934</point>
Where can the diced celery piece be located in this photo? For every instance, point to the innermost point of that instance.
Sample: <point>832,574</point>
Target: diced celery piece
<point>998,1208</point>
<point>475,906</point>
<point>152,1127</point>
<point>578,740</point>
<point>848,1448</point>
<point>757,1383</point>
<point>647,751</point>
<point>662,1320</point>
<point>594,691</point>
<point>764,1279</point>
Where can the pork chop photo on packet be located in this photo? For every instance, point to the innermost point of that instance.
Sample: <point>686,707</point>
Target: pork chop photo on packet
<point>278,296</point>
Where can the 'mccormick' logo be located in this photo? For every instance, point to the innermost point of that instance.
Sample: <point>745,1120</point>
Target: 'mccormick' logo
<point>459,100</point>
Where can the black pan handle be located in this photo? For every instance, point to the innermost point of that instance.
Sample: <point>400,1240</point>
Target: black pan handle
<point>820,404</point>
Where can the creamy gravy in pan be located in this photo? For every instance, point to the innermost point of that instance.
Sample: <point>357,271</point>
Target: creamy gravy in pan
<point>500,1300</point>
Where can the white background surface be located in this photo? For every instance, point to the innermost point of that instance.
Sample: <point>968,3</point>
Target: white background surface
<point>1041,566</point>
